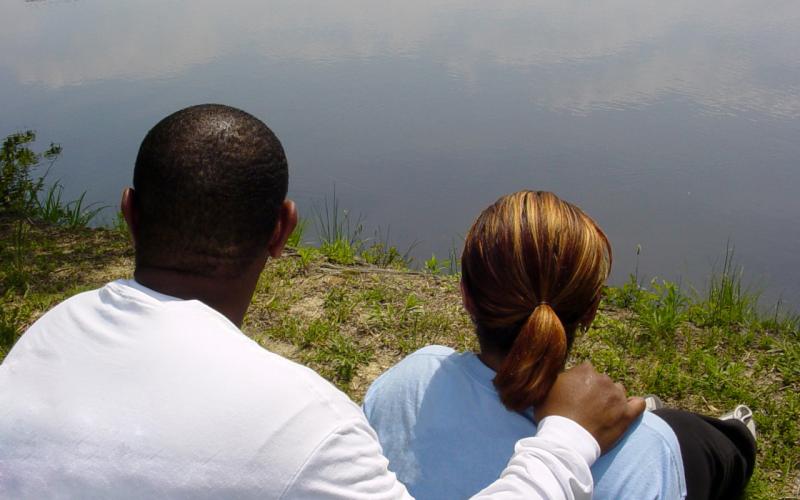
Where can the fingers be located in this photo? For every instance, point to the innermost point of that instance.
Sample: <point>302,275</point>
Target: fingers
<point>635,407</point>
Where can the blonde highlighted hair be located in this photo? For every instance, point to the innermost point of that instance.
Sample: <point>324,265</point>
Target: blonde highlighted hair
<point>533,268</point>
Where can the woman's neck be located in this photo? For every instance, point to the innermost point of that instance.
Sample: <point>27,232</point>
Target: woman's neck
<point>491,359</point>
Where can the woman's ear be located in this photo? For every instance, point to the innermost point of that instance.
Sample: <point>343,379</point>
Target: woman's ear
<point>586,321</point>
<point>469,305</point>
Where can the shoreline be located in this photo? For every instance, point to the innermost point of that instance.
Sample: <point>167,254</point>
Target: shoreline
<point>350,312</point>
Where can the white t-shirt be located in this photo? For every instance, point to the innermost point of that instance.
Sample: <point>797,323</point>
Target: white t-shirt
<point>127,393</point>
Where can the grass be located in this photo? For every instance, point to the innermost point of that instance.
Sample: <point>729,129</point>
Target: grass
<point>52,209</point>
<point>339,237</point>
<point>341,242</point>
<point>380,252</point>
<point>728,302</point>
<point>661,311</point>
<point>451,265</point>
<point>700,352</point>
<point>12,322</point>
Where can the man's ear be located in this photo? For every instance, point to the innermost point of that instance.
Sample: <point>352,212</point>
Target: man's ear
<point>127,206</point>
<point>287,220</point>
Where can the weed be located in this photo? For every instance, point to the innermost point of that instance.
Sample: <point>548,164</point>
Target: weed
<point>436,266</point>
<point>50,207</point>
<point>629,294</point>
<point>334,355</point>
<point>16,271</point>
<point>53,210</point>
<point>661,312</point>
<point>339,241</point>
<point>432,265</point>
<point>295,239</point>
<point>727,303</point>
<point>783,322</point>
<point>75,214</point>
<point>453,262</point>
<point>287,329</point>
<point>451,265</point>
<point>380,252</point>
<point>307,255</point>
<point>626,296</point>
<point>338,305</point>
<point>338,358</point>
<point>339,238</point>
<point>375,296</point>
<point>339,251</point>
<point>120,226</point>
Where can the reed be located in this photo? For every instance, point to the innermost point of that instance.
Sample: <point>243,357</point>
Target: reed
<point>728,301</point>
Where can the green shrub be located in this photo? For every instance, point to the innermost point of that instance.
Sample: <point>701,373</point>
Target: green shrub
<point>19,190</point>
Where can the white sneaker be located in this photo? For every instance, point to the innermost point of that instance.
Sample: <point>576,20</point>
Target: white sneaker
<point>652,402</point>
<point>743,414</point>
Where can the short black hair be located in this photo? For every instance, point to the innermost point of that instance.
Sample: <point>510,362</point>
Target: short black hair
<point>209,182</point>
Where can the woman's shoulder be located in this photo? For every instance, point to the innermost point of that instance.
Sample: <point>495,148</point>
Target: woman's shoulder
<point>409,379</point>
<point>435,351</point>
<point>646,463</point>
<point>422,362</point>
<point>415,367</point>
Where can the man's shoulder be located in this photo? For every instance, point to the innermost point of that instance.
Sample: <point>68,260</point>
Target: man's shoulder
<point>165,387</point>
<point>168,345</point>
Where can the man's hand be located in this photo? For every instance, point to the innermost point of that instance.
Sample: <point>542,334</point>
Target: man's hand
<point>594,401</point>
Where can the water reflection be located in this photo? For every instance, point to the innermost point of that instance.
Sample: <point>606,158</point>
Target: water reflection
<point>728,56</point>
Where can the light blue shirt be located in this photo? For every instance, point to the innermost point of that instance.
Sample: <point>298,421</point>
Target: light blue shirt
<point>447,435</point>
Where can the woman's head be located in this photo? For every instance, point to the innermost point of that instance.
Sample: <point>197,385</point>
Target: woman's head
<point>533,269</point>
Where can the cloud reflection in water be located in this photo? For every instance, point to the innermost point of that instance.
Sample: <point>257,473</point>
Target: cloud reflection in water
<point>727,56</point>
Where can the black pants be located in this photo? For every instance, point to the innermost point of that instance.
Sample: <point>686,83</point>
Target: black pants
<point>718,455</point>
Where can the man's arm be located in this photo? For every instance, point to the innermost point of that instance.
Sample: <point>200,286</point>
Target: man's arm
<point>584,413</point>
<point>552,465</point>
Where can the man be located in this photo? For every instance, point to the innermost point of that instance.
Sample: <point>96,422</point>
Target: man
<point>147,387</point>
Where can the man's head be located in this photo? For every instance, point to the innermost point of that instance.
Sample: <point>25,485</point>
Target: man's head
<point>209,189</point>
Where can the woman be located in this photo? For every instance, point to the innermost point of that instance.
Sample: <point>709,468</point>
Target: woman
<point>533,268</point>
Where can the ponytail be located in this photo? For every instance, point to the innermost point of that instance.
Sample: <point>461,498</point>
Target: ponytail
<point>527,248</point>
<point>534,361</point>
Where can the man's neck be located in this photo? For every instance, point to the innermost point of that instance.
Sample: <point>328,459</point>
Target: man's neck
<point>229,296</point>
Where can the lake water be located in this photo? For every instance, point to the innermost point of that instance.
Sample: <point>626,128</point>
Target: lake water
<point>676,125</point>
